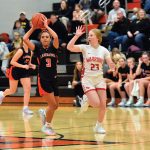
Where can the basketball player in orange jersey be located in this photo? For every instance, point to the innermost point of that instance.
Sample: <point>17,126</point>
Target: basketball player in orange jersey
<point>19,70</point>
<point>46,53</point>
<point>93,83</point>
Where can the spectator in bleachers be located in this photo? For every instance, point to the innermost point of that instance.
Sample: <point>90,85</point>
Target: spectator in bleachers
<point>119,86</point>
<point>134,15</point>
<point>86,4</point>
<point>24,21</point>
<point>112,15</point>
<point>131,77</point>
<point>76,18</point>
<point>60,29</point>
<point>112,75</point>
<point>119,29</point>
<point>3,51</point>
<point>146,5</point>
<point>144,69</point>
<point>71,3</point>
<point>17,28</point>
<point>76,83</point>
<point>138,32</point>
<point>97,11</point>
<point>64,13</point>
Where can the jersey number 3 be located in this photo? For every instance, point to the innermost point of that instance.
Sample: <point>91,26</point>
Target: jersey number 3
<point>48,62</point>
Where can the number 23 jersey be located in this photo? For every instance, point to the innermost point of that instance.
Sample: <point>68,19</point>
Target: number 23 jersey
<point>47,60</point>
<point>93,59</point>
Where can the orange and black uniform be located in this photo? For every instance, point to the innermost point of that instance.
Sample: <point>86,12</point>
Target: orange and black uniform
<point>16,73</point>
<point>47,71</point>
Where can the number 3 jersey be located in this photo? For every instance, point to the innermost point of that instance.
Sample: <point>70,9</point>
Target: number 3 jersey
<point>47,61</point>
<point>93,59</point>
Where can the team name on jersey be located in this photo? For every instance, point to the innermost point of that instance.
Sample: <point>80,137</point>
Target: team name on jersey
<point>26,57</point>
<point>47,55</point>
<point>97,59</point>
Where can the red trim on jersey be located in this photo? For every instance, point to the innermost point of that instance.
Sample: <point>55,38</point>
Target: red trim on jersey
<point>82,72</point>
<point>89,90</point>
<point>38,61</point>
<point>100,89</point>
<point>41,90</point>
<point>10,73</point>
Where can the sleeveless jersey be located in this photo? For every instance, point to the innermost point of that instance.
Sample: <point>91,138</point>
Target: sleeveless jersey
<point>47,60</point>
<point>93,59</point>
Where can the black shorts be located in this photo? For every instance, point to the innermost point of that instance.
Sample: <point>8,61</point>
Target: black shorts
<point>48,86</point>
<point>18,73</point>
<point>122,88</point>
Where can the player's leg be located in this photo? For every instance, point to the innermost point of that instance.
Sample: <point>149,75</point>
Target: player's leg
<point>26,83</point>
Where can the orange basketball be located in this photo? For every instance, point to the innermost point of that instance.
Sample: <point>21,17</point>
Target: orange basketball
<point>37,20</point>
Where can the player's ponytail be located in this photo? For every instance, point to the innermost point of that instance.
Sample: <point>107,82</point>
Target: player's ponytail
<point>11,54</point>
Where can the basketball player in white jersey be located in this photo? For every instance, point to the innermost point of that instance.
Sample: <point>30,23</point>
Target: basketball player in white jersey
<point>93,83</point>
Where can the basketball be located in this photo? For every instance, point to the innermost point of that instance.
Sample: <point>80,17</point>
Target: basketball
<point>37,20</point>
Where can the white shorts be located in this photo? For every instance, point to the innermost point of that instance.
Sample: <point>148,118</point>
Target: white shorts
<point>93,83</point>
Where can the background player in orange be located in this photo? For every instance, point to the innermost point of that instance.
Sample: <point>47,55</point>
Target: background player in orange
<point>19,70</point>
<point>46,53</point>
<point>93,83</point>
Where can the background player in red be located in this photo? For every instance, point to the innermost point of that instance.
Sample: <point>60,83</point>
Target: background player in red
<point>19,70</point>
<point>93,83</point>
<point>46,53</point>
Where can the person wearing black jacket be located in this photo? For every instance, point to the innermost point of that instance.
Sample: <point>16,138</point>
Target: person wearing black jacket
<point>119,29</point>
<point>138,32</point>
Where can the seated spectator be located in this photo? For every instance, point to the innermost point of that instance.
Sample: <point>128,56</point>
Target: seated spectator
<point>134,15</point>
<point>119,86</point>
<point>144,69</point>
<point>71,3</point>
<point>17,28</point>
<point>60,29</point>
<point>97,11</point>
<point>76,18</point>
<point>85,4</point>
<point>131,77</point>
<point>76,83</point>
<point>138,32</point>
<point>24,21</point>
<point>146,6</point>
<point>3,51</point>
<point>119,29</point>
<point>64,13</point>
<point>112,15</point>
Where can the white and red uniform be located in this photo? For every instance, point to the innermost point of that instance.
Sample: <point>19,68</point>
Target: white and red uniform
<point>92,76</point>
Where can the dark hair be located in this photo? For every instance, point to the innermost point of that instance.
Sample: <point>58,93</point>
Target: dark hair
<point>146,53</point>
<point>14,27</point>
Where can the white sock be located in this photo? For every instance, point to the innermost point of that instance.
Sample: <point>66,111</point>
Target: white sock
<point>123,99</point>
<point>98,123</point>
<point>113,99</point>
<point>47,124</point>
<point>25,107</point>
<point>141,98</point>
<point>131,98</point>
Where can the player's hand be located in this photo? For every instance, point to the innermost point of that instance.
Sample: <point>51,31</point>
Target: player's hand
<point>80,30</point>
<point>26,67</point>
<point>32,66</point>
<point>45,22</point>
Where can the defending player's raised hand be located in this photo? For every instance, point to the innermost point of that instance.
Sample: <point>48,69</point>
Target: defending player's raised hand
<point>80,30</point>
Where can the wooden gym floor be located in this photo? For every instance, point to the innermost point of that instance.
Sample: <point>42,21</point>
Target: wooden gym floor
<point>127,129</point>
